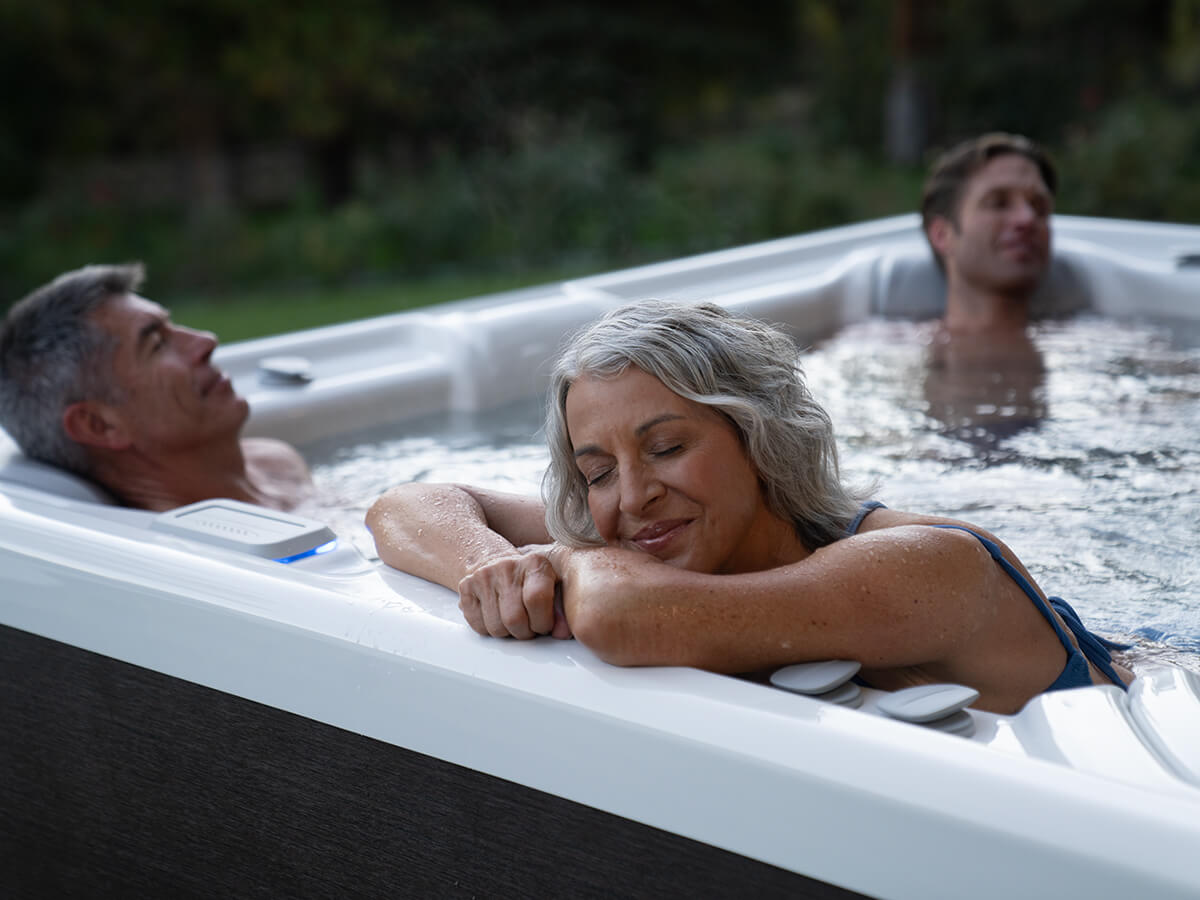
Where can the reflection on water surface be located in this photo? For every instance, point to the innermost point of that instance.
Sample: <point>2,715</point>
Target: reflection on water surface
<point>1095,483</point>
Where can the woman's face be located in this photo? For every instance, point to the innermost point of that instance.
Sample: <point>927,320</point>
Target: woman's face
<point>669,477</point>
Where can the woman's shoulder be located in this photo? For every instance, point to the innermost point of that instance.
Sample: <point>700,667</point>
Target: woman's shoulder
<point>882,518</point>
<point>885,517</point>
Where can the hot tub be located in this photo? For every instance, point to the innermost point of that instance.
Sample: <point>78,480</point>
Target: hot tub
<point>225,700</point>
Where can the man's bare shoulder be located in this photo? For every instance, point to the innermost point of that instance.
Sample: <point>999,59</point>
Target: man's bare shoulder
<point>276,459</point>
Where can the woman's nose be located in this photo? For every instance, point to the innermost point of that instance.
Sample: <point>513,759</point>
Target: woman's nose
<point>639,488</point>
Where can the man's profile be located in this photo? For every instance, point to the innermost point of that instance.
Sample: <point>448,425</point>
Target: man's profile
<point>99,381</point>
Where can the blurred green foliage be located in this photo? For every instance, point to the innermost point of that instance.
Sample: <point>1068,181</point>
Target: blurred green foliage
<point>1140,161</point>
<point>547,203</point>
<point>508,140</point>
<point>266,311</point>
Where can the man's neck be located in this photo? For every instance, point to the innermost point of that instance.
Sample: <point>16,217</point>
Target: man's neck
<point>168,480</point>
<point>972,311</point>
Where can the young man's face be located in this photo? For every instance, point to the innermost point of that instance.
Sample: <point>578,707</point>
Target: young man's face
<point>169,395</point>
<point>1001,242</point>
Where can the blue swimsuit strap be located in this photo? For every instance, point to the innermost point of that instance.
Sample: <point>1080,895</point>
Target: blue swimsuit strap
<point>1094,648</point>
<point>863,510</point>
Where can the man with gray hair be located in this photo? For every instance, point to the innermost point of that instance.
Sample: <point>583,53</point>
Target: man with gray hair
<point>99,381</point>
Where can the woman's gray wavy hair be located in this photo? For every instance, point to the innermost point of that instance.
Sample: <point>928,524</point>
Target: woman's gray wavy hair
<point>743,368</point>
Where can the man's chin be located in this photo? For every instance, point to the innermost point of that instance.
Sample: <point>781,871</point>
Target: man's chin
<point>1030,262</point>
<point>1021,282</point>
<point>243,407</point>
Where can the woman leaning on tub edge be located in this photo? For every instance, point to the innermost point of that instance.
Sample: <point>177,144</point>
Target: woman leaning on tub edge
<point>694,515</point>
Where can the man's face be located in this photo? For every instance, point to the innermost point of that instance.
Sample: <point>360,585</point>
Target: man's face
<point>1001,242</point>
<point>169,396</point>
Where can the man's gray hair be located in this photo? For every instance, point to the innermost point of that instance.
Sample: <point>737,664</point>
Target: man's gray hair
<point>52,355</point>
<point>744,369</point>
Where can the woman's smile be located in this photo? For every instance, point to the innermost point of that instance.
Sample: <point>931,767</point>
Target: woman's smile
<point>659,536</point>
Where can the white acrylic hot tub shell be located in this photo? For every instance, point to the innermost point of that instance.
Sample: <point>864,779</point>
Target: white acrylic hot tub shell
<point>1062,800</point>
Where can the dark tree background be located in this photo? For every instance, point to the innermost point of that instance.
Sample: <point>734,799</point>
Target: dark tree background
<point>128,122</point>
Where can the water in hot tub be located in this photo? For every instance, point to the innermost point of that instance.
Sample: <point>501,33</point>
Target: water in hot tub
<point>1079,448</point>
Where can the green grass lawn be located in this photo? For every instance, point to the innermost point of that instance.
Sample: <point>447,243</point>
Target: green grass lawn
<point>240,316</point>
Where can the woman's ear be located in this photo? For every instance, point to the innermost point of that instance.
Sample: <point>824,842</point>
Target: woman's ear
<point>94,425</point>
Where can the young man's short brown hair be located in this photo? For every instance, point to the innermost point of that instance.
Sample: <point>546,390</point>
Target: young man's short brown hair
<point>954,168</point>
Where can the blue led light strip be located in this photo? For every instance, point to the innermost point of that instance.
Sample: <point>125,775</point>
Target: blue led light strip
<point>315,551</point>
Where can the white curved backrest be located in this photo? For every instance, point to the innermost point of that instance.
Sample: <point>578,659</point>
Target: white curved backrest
<point>17,468</point>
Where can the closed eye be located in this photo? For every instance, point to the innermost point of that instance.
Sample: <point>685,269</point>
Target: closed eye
<point>598,478</point>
